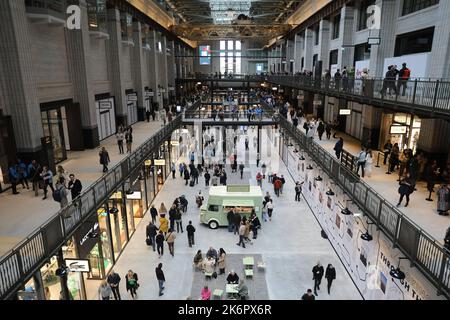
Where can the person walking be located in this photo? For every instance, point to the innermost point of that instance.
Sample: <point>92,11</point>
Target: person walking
<point>403,77</point>
<point>246,144</point>
<point>162,115</point>
<point>207,178</point>
<point>60,193</point>
<point>104,291</point>
<point>153,213</point>
<point>221,261</point>
<point>179,221</point>
<point>328,129</point>
<point>151,231</point>
<point>255,224</point>
<point>159,239</point>
<point>236,221</point>
<point>181,169</point>
<point>129,139</point>
<point>47,176</point>
<point>114,280</point>
<point>190,229</point>
<point>241,169</point>
<point>405,189</point>
<point>163,224</point>
<point>187,176</point>
<point>170,238</point>
<point>120,137</point>
<point>264,169</point>
<point>369,161</point>
<point>173,169</point>
<point>23,173</point>
<point>104,159</point>
<point>361,161</point>
<point>33,173</point>
<point>13,177</point>
<point>387,150</point>
<point>241,235</point>
<point>269,206</point>
<point>230,216</point>
<point>317,276</point>
<point>338,147</point>
<point>205,293</point>
<point>320,130</point>
<point>161,278</point>
<point>162,209</point>
<point>283,181</point>
<point>330,275</point>
<point>259,179</point>
<point>132,283</point>
<point>298,191</point>
<point>443,200</point>
<point>74,186</point>
<point>172,216</point>
<point>277,186</point>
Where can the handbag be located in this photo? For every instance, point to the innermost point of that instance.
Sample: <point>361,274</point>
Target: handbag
<point>148,241</point>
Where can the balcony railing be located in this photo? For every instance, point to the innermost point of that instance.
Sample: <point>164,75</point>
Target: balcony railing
<point>431,96</point>
<point>52,8</point>
<point>424,252</point>
<point>28,256</point>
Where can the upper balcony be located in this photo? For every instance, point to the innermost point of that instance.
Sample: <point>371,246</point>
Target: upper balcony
<point>126,26</point>
<point>51,12</point>
<point>97,19</point>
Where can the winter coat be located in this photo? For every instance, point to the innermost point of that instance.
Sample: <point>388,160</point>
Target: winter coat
<point>163,225</point>
<point>221,261</point>
<point>330,274</point>
<point>317,272</point>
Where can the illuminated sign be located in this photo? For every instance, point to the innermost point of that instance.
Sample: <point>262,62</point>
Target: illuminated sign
<point>160,162</point>
<point>205,55</point>
<point>398,129</point>
<point>78,265</point>
<point>345,112</point>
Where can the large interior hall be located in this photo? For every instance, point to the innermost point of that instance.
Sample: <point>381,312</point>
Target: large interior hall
<point>246,152</point>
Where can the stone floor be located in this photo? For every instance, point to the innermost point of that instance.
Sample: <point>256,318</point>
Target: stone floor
<point>290,245</point>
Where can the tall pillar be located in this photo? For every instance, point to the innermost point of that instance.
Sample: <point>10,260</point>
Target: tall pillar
<point>115,65</point>
<point>324,43</point>
<point>388,25</point>
<point>308,49</point>
<point>440,54</point>
<point>78,51</point>
<point>347,53</point>
<point>137,56</point>
<point>298,53</point>
<point>371,119</point>
<point>152,65</point>
<point>17,80</point>
<point>434,138</point>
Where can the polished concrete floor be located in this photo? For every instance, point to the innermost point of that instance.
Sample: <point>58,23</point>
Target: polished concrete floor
<point>290,245</point>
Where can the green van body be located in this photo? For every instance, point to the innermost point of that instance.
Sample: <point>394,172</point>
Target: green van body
<point>222,199</point>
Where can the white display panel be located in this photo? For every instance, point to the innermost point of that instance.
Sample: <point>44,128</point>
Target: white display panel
<point>417,63</point>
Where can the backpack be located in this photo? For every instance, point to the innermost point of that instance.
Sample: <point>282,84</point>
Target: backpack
<point>57,195</point>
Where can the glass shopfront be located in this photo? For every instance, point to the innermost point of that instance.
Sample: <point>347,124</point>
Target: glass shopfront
<point>135,199</point>
<point>401,128</point>
<point>51,282</point>
<point>54,124</point>
<point>118,220</point>
<point>150,181</point>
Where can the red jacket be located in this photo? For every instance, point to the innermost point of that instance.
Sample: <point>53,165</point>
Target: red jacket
<point>277,184</point>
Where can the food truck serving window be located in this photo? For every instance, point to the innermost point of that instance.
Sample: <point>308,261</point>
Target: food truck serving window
<point>242,206</point>
<point>213,207</point>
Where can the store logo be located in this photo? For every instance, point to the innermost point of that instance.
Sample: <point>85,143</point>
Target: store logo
<point>90,234</point>
<point>74,18</point>
<point>374,19</point>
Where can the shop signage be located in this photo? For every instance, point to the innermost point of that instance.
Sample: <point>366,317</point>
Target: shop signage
<point>345,112</point>
<point>398,129</point>
<point>77,265</point>
<point>148,163</point>
<point>136,195</point>
<point>104,105</point>
<point>317,103</point>
<point>86,236</point>
<point>89,234</point>
<point>171,88</point>
<point>149,94</point>
<point>163,91</point>
<point>132,97</point>
<point>174,143</point>
<point>160,162</point>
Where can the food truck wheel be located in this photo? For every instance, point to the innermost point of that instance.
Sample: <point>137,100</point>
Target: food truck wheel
<point>213,224</point>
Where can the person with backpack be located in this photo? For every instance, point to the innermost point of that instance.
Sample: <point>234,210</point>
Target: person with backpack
<point>151,231</point>
<point>190,229</point>
<point>403,77</point>
<point>60,193</point>
<point>104,159</point>
<point>47,176</point>
<point>160,277</point>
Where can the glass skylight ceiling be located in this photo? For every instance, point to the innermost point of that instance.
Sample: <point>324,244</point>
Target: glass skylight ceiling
<point>225,11</point>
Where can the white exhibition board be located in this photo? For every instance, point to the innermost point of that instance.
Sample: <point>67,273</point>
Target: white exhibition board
<point>417,63</point>
<point>368,262</point>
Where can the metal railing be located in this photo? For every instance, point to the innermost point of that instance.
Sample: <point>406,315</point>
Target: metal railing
<point>55,8</point>
<point>228,115</point>
<point>424,252</point>
<point>209,77</point>
<point>431,96</point>
<point>30,254</point>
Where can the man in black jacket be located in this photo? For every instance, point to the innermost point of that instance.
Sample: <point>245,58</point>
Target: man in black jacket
<point>160,243</point>
<point>237,222</point>
<point>241,169</point>
<point>161,279</point>
<point>232,278</point>
<point>317,276</point>
<point>172,216</point>
<point>207,177</point>
<point>230,216</point>
<point>113,281</point>
<point>74,186</point>
<point>256,224</point>
<point>151,232</point>
<point>190,229</point>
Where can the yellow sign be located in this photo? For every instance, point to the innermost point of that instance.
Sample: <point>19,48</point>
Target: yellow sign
<point>160,162</point>
<point>174,143</point>
<point>148,162</point>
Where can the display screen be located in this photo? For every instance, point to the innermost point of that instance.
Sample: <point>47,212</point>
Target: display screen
<point>205,55</point>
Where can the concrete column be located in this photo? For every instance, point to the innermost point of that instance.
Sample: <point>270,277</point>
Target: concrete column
<point>308,52</point>
<point>137,56</point>
<point>324,43</point>
<point>440,55</point>
<point>298,53</point>
<point>78,51</point>
<point>152,69</point>
<point>115,65</point>
<point>389,17</point>
<point>17,80</point>
<point>347,53</point>
<point>371,118</point>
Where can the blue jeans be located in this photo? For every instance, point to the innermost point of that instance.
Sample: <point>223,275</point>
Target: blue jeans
<point>230,227</point>
<point>161,286</point>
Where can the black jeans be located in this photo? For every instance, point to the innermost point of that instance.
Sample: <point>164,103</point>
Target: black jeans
<point>241,241</point>
<point>160,248</point>
<point>317,285</point>
<point>362,165</point>
<point>105,167</point>
<point>386,154</point>
<point>207,183</point>
<point>179,225</point>
<point>133,291</point>
<point>401,198</point>
<point>116,293</point>
<point>120,144</point>
<point>330,281</point>
<point>298,196</point>
<point>191,240</point>
<point>46,185</point>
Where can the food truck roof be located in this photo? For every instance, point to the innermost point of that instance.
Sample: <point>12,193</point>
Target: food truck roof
<point>236,190</point>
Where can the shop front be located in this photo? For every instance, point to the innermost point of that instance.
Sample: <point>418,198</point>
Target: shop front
<point>132,106</point>
<point>106,115</point>
<point>401,128</point>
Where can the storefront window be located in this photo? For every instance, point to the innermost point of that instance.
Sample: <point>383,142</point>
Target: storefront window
<point>118,223</point>
<point>150,183</point>
<point>52,124</point>
<point>105,240</point>
<point>74,279</point>
<point>51,282</point>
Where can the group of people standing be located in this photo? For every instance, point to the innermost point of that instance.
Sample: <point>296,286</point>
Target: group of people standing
<point>124,134</point>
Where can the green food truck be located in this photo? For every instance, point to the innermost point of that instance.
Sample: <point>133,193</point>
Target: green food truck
<point>222,199</point>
